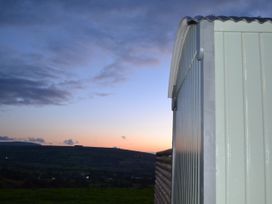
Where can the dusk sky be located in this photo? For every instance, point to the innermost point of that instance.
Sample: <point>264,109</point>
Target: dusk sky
<point>94,73</point>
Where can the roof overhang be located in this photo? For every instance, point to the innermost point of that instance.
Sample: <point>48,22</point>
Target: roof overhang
<point>177,52</point>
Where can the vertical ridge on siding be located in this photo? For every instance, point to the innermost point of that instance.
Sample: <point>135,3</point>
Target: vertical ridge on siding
<point>245,118</point>
<point>220,119</point>
<point>234,119</point>
<point>262,109</point>
<point>254,123</point>
<point>266,60</point>
<point>194,137</point>
<point>198,121</point>
<point>225,122</point>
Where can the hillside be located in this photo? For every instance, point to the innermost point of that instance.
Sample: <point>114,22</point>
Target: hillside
<point>18,143</point>
<point>58,166</point>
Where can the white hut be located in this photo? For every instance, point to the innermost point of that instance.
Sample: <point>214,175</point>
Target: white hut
<point>221,90</point>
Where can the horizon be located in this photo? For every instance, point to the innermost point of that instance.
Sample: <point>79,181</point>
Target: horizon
<point>94,73</point>
<point>73,145</point>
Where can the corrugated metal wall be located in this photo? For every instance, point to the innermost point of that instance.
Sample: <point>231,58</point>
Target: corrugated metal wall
<point>187,126</point>
<point>163,177</point>
<point>243,69</point>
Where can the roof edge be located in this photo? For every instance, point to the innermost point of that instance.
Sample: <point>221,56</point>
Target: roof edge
<point>183,29</point>
<point>177,51</point>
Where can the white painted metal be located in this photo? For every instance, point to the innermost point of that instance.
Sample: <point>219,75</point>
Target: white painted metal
<point>233,87</point>
<point>243,67</point>
<point>242,26</point>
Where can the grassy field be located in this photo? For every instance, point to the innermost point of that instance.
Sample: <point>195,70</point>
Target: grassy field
<point>77,196</point>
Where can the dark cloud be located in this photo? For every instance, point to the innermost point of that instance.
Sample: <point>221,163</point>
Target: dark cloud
<point>101,94</point>
<point>31,71</point>
<point>111,74</point>
<point>70,142</point>
<point>119,70</point>
<point>19,91</point>
<point>36,140</point>
<point>25,80</point>
<point>31,139</point>
<point>6,138</point>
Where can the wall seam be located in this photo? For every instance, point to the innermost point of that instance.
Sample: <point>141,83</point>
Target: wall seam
<point>245,121</point>
<point>263,120</point>
<point>225,123</point>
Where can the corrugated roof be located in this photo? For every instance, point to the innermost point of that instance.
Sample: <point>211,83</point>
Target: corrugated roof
<point>196,19</point>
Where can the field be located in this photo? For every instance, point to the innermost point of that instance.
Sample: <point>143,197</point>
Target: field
<point>35,174</point>
<point>33,166</point>
<point>77,196</point>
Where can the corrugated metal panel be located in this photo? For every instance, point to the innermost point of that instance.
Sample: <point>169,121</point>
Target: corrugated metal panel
<point>243,117</point>
<point>187,124</point>
<point>163,177</point>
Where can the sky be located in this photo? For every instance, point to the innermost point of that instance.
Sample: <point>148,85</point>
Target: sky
<point>94,73</point>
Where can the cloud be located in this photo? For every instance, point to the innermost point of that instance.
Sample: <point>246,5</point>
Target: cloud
<point>31,139</point>
<point>25,80</point>
<point>6,138</point>
<point>19,91</point>
<point>101,94</point>
<point>27,13</point>
<point>36,140</point>
<point>119,70</point>
<point>27,65</point>
<point>70,142</point>
<point>111,74</point>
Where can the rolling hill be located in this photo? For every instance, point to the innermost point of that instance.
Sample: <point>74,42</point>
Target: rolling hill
<point>32,165</point>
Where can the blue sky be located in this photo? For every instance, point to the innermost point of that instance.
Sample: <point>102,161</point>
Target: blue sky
<point>94,72</point>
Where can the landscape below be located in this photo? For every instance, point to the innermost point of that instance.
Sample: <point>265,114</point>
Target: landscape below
<point>76,174</point>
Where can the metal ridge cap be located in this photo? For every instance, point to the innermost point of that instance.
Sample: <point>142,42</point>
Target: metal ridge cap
<point>212,18</point>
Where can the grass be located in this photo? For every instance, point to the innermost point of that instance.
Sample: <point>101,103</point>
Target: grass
<point>77,196</point>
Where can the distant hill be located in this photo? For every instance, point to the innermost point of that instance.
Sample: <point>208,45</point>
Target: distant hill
<point>18,143</point>
<point>33,165</point>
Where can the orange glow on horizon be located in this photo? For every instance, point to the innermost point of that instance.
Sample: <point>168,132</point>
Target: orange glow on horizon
<point>146,140</point>
<point>143,146</point>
